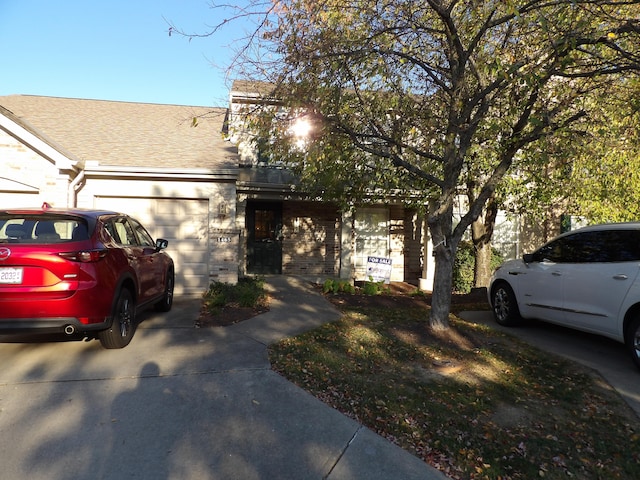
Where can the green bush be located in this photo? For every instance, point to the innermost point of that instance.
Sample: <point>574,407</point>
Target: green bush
<point>248,292</point>
<point>375,288</point>
<point>330,286</point>
<point>464,264</point>
<point>337,286</point>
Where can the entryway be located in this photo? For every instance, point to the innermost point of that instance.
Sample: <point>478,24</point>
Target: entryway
<point>264,238</point>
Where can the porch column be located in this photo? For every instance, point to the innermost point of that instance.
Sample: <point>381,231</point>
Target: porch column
<point>347,253</point>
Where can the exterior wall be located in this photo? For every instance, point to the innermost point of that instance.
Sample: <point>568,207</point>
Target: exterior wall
<point>216,228</point>
<point>319,241</point>
<point>28,178</point>
<point>535,231</point>
<point>311,239</point>
<point>414,236</point>
<point>397,242</point>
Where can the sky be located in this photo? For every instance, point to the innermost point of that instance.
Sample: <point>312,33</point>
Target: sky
<point>115,50</point>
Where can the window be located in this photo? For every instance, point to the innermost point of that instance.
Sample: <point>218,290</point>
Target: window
<point>144,238</point>
<point>45,229</point>
<point>598,246</point>
<point>121,231</point>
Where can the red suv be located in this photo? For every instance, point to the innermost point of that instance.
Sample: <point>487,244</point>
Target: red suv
<point>80,272</point>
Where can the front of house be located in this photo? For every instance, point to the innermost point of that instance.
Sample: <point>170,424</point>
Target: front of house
<point>192,177</point>
<point>287,233</point>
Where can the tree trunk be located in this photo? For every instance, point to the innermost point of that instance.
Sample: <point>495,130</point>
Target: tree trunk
<point>482,271</point>
<point>442,284</point>
<point>481,234</point>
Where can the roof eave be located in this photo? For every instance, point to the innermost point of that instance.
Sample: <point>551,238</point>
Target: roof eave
<point>15,128</point>
<point>183,174</point>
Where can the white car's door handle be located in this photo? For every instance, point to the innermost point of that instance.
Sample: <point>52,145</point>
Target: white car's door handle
<point>620,276</point>
<point>556,274</point>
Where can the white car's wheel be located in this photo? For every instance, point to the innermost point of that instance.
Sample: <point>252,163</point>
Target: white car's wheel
<point>504,305</point>
<point>632,340</point>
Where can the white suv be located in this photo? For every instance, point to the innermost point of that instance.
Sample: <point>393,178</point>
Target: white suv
<point>586,279</point>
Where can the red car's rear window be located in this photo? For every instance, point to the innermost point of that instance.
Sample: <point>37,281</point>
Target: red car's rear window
<point>42,229</point>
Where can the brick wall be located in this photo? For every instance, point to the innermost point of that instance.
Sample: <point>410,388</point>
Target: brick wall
<point>311,239</point>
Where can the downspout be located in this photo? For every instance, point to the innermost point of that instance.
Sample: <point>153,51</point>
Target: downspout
<point>72,193</point>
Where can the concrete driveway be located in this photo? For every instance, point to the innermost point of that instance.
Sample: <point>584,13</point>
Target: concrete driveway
<point>183,403</point>
<point>605,356</point>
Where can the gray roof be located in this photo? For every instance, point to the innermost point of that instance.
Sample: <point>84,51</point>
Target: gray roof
<point>127,134</point>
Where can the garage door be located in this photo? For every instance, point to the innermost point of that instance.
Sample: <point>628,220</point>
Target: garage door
<point>12,200</point>
<point>184,223</point>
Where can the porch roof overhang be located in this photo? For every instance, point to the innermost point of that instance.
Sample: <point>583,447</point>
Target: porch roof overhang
<point>267,182</point>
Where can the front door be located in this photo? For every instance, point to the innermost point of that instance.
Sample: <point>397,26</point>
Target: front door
<point>264,237</point>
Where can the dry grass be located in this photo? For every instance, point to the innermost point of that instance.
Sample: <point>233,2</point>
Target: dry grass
<point>473,402</point>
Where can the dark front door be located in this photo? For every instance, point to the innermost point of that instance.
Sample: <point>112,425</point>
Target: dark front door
<point>264,237</point>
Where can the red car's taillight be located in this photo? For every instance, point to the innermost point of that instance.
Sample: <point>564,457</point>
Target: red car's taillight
<point>84,256</point>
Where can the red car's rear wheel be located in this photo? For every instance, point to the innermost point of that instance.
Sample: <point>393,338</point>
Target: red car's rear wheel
<point>123,325</point>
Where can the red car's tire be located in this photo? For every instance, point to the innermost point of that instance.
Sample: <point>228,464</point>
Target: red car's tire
<point>123,324</point>
<point>165,304</point>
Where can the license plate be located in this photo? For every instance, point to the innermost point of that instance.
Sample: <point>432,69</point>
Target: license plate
<point>11,275</point>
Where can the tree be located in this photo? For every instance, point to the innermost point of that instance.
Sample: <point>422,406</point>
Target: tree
<point>435,98</point>
<point>605,171</point>
<point>590,171</point>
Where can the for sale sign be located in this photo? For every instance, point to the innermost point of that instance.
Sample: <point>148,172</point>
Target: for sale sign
<point>379,269</point>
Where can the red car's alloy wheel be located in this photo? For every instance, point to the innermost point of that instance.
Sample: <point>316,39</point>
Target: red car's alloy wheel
<point>123,325</point>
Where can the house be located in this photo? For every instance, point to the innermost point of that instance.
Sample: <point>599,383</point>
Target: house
<point>289,233</point>
<point>193,176</point>
<point>143,159</point>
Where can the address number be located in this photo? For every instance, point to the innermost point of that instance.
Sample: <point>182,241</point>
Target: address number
<point>224,239</point>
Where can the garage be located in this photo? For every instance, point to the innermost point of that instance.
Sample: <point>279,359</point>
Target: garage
<point>147,160</point>
<point>13,200</point>
<point>184,222</point>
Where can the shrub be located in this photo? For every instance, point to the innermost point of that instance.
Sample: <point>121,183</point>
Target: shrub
<point>248,292</point>
<point>464,264</point>
<point>329,286</point>
<point>374,288</point>
<point>337,286</point>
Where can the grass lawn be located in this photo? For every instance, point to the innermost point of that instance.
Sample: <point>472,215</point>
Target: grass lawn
<point>474,403</point>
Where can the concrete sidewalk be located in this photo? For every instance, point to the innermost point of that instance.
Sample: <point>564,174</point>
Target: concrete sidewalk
<point>184,403</point>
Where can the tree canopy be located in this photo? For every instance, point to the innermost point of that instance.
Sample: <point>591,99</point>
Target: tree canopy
<point>424,96</point>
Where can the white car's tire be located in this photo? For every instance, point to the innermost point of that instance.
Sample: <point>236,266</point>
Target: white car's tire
<point>504,305</point>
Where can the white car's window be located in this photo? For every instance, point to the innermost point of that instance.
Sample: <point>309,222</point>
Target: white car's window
<point>551,252</point>
<point>603,246</point>
<point>621,246</point>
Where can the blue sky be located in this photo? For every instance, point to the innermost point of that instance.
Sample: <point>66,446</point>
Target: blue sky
<point>115,50</point>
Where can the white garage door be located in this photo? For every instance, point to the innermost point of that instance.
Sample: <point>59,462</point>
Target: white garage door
<point>184,223</point>
<point>12,200</point>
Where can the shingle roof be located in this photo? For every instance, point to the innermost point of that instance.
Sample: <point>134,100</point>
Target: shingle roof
<point>252,88</point>
<point>127,134</point>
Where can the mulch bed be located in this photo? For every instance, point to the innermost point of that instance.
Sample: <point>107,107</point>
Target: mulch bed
<point>400,296</point>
